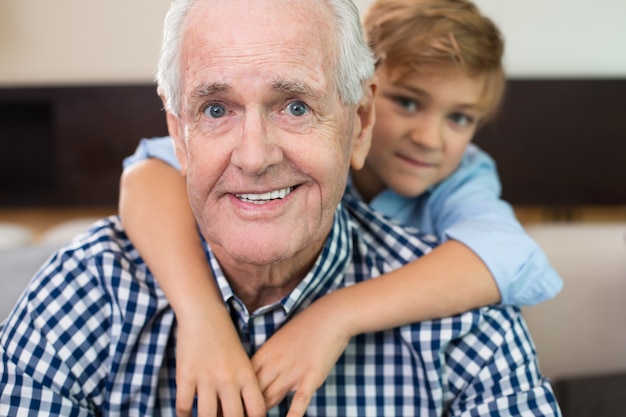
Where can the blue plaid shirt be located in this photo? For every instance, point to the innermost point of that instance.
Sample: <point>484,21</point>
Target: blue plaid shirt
<point>93,334</point>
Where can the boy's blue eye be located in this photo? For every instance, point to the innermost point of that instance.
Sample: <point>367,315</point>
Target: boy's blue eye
<point>406,103</point>
<point>215,111</point>
<point>461,119</point>
<point>297,108</point>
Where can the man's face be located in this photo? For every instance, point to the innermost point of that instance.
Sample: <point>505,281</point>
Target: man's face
<point>423,126</point>
<point>262,137</point>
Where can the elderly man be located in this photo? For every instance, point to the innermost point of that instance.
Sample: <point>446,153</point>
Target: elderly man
<point>270,103</point>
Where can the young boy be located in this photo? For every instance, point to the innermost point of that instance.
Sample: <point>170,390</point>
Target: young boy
<point>440,78</point>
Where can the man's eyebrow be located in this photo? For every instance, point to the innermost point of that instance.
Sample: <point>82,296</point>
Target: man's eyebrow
<point>298,88</point>
<point>204,90</point>
<point>289,87</point>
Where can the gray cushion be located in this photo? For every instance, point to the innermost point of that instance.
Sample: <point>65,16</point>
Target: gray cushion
<point>17,267</point>
<point>14,235</point>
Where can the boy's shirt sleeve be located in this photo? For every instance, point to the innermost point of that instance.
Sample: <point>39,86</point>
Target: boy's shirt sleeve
<point>467,207</point>
<point>159,147</point>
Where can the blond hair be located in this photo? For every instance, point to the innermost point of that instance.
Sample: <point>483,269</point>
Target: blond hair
<point>424,36</point>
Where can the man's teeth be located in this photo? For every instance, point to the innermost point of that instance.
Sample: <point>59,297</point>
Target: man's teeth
<point>265,197</point>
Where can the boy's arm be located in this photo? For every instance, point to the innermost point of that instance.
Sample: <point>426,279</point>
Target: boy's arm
<point>449,280</point>
<point>467,207</point>
<point>210,359</point>
<point>158,220</point>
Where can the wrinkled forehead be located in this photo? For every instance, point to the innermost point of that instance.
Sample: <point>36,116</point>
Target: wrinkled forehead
<point>265,42</point>
<point>266,23</point>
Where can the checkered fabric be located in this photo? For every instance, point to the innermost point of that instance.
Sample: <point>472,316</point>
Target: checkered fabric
<point>94,335</point>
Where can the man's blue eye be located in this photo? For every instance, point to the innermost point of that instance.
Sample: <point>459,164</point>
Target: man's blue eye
<point>215,111</point>
<point>297,108</point>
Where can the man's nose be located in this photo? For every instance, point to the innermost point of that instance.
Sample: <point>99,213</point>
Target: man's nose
<point>257,148</point>
<point>427,132</point>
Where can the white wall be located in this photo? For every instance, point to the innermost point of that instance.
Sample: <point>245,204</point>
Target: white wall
<point>562,38</point>
<point>79,41</point>
<point>46,42</point>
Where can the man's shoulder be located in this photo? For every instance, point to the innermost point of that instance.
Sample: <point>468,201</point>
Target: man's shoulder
<point>98,267</point>
<point>106,234</point>
<point>103,241</point>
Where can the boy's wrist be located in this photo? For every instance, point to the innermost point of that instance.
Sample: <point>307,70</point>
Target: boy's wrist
<point>341,311</point>
<point>194,308</point>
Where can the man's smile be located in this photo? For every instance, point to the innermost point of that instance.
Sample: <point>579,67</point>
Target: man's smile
<point>265,197</point>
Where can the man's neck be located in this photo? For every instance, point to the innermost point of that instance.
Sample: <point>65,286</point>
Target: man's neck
<point>258,286</point>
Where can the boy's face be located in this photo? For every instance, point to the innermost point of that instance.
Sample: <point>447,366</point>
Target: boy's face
<point>423,125</point>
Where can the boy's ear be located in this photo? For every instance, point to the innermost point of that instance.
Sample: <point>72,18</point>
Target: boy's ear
<point>177,133</point>
<point>364,124</point>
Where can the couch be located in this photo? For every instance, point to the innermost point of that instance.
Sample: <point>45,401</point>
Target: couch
<point>22,252</point>
<point>580,335</point>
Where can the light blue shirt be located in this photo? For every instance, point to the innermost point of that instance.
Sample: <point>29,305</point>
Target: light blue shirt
<point>466,207</point>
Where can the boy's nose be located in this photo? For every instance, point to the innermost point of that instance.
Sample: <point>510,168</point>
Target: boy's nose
<point>428,133</point>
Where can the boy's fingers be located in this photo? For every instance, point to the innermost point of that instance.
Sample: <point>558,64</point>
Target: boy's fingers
<point>207,405</point>
<point>266,374</point>
<point>254,402</point>
<point>299,403</point>
<point>273,394</point>
<point>230,403</point>
<point>266,378</point>
<point>185,394</point>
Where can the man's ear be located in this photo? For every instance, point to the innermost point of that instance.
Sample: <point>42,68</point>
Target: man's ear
<point>177,133</point>
<point>364,124</point>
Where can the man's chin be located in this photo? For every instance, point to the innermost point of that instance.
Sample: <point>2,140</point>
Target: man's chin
<point>261,257</point>
<point>254,252</point>
<point>261,253</point>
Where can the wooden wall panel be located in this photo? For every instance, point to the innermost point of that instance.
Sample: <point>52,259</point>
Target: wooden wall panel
<point>561,142</point>
<point>558,143</point>
<point>67,143</point>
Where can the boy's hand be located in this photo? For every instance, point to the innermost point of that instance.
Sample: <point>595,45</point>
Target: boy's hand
<point>211,363</point>
<point>299,356</point>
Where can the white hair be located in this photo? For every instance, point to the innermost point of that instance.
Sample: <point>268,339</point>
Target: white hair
<point>354,61</point>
